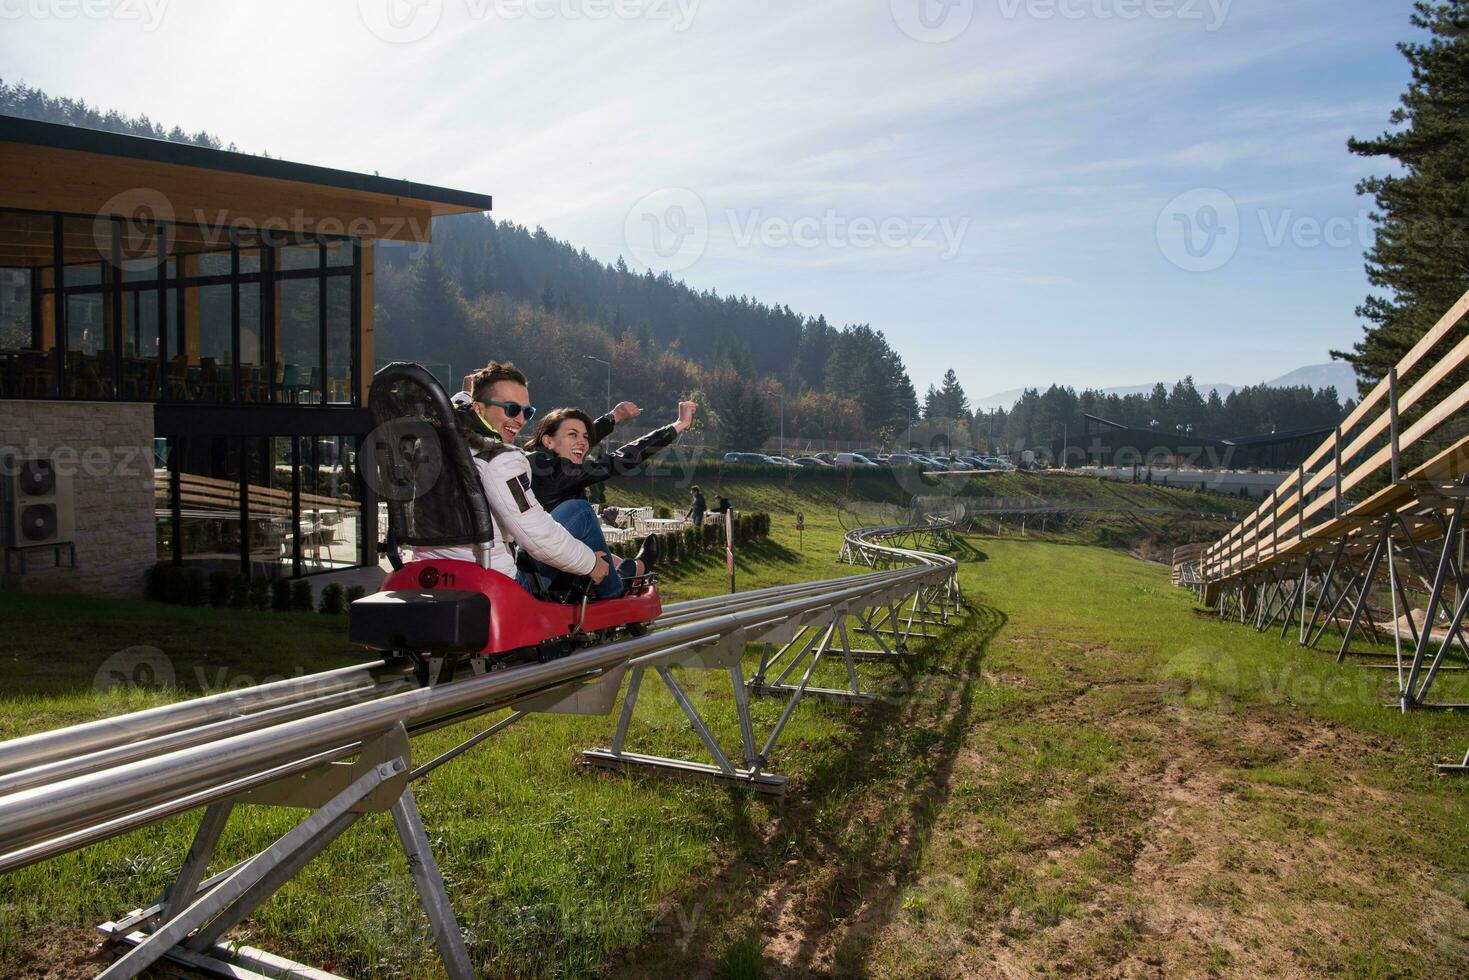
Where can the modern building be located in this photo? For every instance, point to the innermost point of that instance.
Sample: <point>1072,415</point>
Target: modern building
<point>186,342</point>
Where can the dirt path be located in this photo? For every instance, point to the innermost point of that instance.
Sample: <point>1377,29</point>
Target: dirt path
<point>1116,828</point>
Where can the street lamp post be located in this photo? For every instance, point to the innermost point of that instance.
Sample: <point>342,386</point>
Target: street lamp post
<point>782,396</point>
<point>608,365</point>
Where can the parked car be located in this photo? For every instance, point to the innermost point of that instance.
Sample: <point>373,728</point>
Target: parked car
<point>810,461</point>
<point>826,457</point>
<point>759,458</point>
<point>781,460</point>
<point>853,459</point>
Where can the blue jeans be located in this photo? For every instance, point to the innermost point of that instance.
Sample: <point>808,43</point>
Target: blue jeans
<point>583,524</point>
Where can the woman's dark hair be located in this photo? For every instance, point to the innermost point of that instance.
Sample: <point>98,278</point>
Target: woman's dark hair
<point>552,421</point>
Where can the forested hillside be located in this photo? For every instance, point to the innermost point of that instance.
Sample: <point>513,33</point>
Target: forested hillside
<point>494,289</point>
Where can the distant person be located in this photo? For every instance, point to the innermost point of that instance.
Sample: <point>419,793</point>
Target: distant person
<point>721,506</point>
<point>697,506</point>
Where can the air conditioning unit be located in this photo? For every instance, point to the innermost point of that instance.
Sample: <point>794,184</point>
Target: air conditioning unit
<point>40,502</point>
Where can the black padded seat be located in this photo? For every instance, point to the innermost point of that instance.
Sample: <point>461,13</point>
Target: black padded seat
<point>437,621</point>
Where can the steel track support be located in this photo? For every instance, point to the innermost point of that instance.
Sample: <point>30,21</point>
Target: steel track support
<point>1364,592</point>
<point>1413,693</point>
<point>189,923</point>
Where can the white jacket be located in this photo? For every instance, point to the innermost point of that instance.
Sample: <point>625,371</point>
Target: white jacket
<point>519,517</point>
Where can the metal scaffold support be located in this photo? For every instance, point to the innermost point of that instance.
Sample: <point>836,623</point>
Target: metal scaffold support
<point>795,646</point>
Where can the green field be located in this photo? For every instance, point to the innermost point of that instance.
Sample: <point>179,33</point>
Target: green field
<point>1088,777</point>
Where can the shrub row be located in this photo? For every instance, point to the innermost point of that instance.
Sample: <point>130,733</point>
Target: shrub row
<point>184,586</point>
<point>693,541</point>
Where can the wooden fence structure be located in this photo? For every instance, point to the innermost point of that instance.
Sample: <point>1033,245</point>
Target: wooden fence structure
<point>1372,519</point>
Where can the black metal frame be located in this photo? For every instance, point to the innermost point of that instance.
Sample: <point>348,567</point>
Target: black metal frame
<point>367,533</point>
<point>175,288</point>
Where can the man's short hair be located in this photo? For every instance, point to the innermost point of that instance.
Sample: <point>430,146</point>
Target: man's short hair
<point>695,489</point>
<point>494,371</point>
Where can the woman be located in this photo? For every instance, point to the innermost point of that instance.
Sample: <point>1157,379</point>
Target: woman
<point>558,448</point>
<point>560,472</point>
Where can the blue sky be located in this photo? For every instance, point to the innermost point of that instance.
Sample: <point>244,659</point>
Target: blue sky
<point>1091,192</point>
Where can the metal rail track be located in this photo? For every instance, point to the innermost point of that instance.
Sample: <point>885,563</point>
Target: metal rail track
<point>287,743</point>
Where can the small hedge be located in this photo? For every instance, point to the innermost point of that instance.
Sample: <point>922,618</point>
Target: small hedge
<point>185,586</point>
<point>692,541</point>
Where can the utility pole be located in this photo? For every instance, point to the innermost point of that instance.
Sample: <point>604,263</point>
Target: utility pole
<point>782,396</point>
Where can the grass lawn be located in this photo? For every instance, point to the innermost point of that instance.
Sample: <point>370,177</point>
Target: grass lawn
<point>1088,777</point>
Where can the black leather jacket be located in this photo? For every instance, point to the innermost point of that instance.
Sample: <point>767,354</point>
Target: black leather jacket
<point>555,479</point>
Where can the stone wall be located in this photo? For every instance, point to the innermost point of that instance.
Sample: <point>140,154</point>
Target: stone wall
<point>107,447</point>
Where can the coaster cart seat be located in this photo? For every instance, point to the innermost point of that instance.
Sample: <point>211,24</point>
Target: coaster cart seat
<point>448,610</point>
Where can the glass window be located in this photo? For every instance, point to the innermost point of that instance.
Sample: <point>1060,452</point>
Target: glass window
<point>209,503</point>
<point>15,308</point>
<point>140,344</point>
<point>338,254</point>
<point>26,368</point>
<point>211,376</point>
<point>331,517</point>
<point>253,380</point>
<point>299,347</point>
<point>215,264</point>
<point>86,274</point>
<point>270,529</point>
<point>339,339</point>
<point>298,257</point>
<point>89,355</point>
<point>140,269</point>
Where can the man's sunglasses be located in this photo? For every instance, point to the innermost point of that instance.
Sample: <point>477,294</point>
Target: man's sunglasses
<point>512,409</point>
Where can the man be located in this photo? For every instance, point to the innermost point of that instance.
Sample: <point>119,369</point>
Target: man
<point>497,408</point>
<point>697,506</point>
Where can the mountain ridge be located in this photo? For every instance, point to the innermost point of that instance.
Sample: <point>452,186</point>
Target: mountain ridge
<point>1336,374</point>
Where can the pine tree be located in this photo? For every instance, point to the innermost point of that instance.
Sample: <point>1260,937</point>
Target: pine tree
<point>933,407</point>
<point>955,402</point>
<point>1420,257</point>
